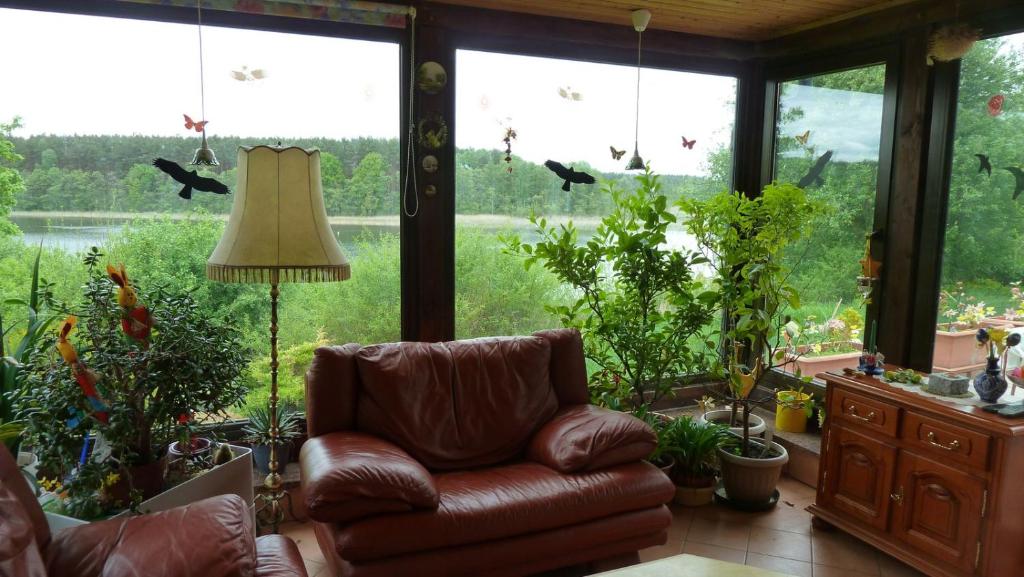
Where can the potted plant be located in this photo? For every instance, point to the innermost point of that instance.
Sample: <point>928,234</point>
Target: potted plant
<point>794,408</point>
<point>638,303</point>
<point>832,345</point>
<point>38,319</point>
<point>694,445</point>
<point>127,373</point>
<point>744,239</point>
<point>257,433</point>
<point>955,345</point>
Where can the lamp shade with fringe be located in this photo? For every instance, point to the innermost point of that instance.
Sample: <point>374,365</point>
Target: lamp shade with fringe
<point>278,229</point>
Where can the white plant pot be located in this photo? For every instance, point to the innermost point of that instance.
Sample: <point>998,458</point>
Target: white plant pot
<point>233,477</point>
<point>722,416</point>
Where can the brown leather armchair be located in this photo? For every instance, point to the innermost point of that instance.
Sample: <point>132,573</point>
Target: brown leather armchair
<point>212,538</point>
<point>478,457</point>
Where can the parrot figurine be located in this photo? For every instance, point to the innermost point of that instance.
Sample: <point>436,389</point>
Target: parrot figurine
<point>136,321</point>
<point>85,377</point>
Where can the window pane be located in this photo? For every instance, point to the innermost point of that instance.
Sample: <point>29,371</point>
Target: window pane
<point>827,141</point>
<point>574,113</point>
<point>983,259</point>
<point>99,98</point>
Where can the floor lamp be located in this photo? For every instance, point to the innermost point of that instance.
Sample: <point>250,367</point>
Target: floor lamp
<point>277,232</point>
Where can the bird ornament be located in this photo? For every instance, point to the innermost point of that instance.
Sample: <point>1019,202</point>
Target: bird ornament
<point>136,320</point>
<point>85,377</point>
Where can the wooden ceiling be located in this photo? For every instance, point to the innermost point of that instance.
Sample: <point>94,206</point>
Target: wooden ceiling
<point>738,19</point>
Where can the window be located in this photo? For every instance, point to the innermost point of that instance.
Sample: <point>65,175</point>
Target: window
<point>99,98</point>
<point>983,255</point>
<point>575,113</point>
<point>827,140</point>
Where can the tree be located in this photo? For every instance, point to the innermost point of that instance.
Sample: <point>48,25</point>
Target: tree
<point>11,183</point>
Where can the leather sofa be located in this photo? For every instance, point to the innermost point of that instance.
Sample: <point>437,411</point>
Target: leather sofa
<point>480,457</point>
<point>212,538</point>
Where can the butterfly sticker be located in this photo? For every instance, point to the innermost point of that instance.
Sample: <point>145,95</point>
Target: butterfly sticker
<point>689,143</point>
<point>246,75</point>
<point>616,154</point>
<point>995,105</point>
<point>191,124</point>
<point>569,94</point>
<point>802,138</point>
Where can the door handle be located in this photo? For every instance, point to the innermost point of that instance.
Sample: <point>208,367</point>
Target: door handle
<point>897,497</point>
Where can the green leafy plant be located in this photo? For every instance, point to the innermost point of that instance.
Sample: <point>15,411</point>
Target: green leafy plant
<point>693,444</point>
<point>257,431</point>
<point>186,373</point>
<point>38,318</point>
<point>638,304</point>
<point>797,399</point>
<point>745,239</point>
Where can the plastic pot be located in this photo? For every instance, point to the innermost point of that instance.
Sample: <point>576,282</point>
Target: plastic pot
<point>791,413</point>
<point>722,417</point>
<point>751,480</point>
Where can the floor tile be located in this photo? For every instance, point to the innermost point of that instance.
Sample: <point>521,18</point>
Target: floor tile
<point>891,567</point>
<point>784,518</point>
<point>787,566</point>
<point>780,544</point>
<point>660,552</point>
<point>715,552</point>
<point>681,520</point>
<point>722,533</point>
<point>826,571</point>
<point>839,550</point>
<point>795,492</point>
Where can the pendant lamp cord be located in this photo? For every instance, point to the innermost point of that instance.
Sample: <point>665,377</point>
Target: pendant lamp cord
<point>410,156</point>
<point>202,80</point>
<point>636,126</point>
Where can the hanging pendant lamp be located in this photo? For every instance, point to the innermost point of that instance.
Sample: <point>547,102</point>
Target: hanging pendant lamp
<point>204,155</point>
<point>640,20</point>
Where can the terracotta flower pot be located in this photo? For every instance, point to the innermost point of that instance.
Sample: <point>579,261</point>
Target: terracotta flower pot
<point>751,480</point>
<point>834,362</point>
<point>957,352</point>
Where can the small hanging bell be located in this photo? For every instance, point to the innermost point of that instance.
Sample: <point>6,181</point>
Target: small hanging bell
<point>204,155</point>
<point>635,163</point>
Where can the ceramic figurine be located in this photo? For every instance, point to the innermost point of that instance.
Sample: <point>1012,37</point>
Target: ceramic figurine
<point>871,364</point>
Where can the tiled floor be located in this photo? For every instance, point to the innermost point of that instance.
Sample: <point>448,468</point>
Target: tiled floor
<point>781,540</point>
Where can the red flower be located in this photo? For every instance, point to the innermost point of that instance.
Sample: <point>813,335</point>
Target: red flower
<point>184,418</point>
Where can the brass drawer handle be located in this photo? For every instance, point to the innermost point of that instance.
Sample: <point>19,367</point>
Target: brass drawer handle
<point>852,411</point>
<point>933,440</point>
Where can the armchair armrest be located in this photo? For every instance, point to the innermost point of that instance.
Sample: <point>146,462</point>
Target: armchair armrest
<point>212,537</point>
<point>277,556</point>
<point>586,437</point>
<point>348,475</point>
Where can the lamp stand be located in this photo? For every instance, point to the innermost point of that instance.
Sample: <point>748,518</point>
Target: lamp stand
<point>273,484</point>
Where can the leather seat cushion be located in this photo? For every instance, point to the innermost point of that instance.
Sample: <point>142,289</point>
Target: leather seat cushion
<point>505,501</point>
<point>460,404</point>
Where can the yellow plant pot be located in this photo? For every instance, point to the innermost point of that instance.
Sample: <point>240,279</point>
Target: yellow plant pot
<point>790,415</point>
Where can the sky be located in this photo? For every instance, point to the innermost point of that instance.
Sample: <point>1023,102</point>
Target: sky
<point>95,75</point>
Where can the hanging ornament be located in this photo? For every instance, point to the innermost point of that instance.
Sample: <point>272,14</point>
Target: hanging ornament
<point>510,135</point>
<point>869,269</point>
<point>204,155</point>
<point>951,42</point>
<point>641,18</point>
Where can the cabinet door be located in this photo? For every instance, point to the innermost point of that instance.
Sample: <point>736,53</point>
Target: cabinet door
<point>938,510</point>
<point>860,471</point>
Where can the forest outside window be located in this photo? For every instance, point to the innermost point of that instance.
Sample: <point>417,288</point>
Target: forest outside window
<point>86,129</point>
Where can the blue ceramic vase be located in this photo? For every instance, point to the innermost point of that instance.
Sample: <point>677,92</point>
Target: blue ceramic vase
<point>990,385</point>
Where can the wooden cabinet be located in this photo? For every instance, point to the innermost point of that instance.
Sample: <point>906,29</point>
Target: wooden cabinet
<point>933,483</point>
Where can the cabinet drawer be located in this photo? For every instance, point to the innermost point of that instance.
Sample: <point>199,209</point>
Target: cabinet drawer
<point>946,440</point>
<point>865,411</point>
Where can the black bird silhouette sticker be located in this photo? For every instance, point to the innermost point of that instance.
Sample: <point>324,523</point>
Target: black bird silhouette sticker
<point>985,165</point>
<point>1019,175</point>
<point>813,175</point>
<point>190,179</point>
<point>569,175</point>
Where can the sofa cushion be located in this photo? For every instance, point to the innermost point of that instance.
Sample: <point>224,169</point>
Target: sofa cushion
<point>459,404</point>
<point>19,552</point>
<point>585,437</point>
<point>502,502</point>
<point>347,475</point>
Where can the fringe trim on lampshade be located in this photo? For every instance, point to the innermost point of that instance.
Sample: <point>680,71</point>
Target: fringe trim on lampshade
<point>265,274</point>
<point>952,42</point>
